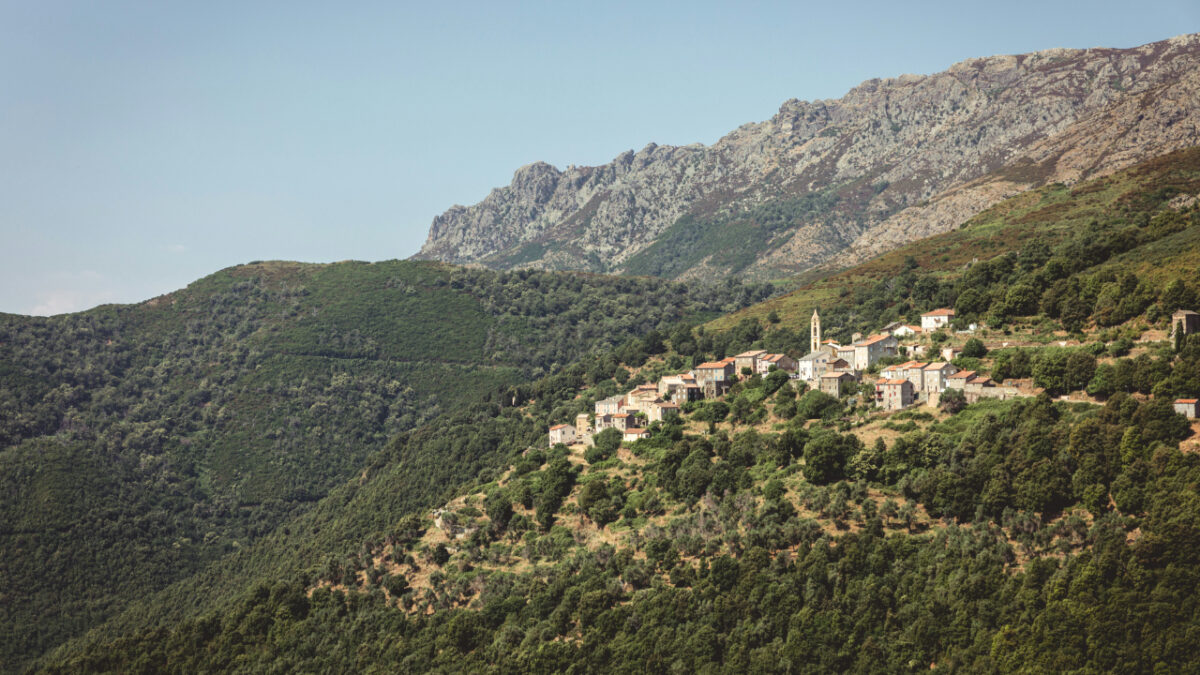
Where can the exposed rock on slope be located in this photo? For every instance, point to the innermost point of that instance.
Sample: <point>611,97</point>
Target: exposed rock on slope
<point>836,181</point>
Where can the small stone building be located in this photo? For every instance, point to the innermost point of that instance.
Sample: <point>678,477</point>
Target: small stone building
<point>1184,320</point>
<point>896,394</point>
<point>836,382</point>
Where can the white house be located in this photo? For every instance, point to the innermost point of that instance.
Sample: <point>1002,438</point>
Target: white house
<point>905,331</point>
<point>938,318</point>
<point>813,365</point>
<point>632,434</point>
<point>562,433</point>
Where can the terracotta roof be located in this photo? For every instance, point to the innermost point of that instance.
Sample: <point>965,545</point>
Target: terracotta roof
<point>667,404</point>
<point>939,312</point>
<point>621,415</point>
<point>896,381</point>
<point>727,359</point>
<point>873,339</point>
<point>937,366</point>
<point>1186,400</point>
<point>635,430</point>
<point>559,426</point>
<point>755,352</point>
<point>965,374</point>
<point>837,374</point>
<point>712,365</point>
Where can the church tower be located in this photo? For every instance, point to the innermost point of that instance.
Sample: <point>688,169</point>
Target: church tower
<point>816,332</point>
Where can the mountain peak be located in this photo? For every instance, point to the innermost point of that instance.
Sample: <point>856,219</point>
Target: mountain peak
<point>833,181</point>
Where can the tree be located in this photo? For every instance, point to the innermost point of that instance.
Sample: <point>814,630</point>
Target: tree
<point>441,555</point>
<point>499,509</point>
<point>604,444</point>
<point>952,401</point>
<point>974,349</point>
<point>826,454</point>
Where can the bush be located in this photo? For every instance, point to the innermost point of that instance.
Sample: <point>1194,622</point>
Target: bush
<point>974,349</point>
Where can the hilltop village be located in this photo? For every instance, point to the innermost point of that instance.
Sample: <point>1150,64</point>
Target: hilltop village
<point>897,368</point>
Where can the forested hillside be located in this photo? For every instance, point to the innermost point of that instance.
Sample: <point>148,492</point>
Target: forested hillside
<point>776,530</point>
<point>140,443</point>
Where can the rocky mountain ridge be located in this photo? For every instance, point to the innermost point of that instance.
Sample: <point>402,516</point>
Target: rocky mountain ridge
<point>832,182</point>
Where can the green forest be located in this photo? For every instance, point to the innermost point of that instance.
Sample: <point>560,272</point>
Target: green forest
<point>141,443</point>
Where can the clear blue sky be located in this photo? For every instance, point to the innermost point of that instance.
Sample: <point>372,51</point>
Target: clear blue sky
<point>146,144</point>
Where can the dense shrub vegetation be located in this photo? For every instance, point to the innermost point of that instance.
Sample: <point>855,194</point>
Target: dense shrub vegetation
<point>139,443</point>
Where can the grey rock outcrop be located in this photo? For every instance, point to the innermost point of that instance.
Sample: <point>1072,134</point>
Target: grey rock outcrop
<point>906,157</point>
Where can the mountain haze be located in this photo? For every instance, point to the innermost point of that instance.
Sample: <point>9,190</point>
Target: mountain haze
<point>841,180</point>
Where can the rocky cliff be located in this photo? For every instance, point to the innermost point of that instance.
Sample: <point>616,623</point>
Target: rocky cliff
<point>832,182</point>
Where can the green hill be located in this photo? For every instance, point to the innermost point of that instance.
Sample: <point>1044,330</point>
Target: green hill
<point>140,443</point>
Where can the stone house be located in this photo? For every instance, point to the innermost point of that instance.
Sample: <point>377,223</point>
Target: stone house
<point>658,409</point>
<point>1184,320</point>
<point>895,394</point>
<point>935,375</point>
<point>960,379</point>
<point>781,361</point>
<point>951,353</point>
<point>867,352</point>
<point>581,424</point>
<point>836,383</point>
<point>623,421</point>
<point>938,318</point>
<point>714,377</point>
<point>562,433</point>
<point>610,406</point>
<point>640,396</point>
<point>813,364</point>
<point>1187,407</point>
<point>748,360</point>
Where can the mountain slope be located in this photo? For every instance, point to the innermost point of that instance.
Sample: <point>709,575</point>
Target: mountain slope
<point>770,544</point>
<point>841,180</point>
<point>139,444</point>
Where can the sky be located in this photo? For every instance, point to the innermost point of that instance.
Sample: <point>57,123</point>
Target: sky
<point>144,145</point>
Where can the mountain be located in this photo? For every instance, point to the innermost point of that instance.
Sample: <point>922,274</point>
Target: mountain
<point>835,182</point>
<point>776,530</point>
<point>140,444</point>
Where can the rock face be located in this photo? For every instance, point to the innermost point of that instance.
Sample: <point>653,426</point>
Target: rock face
<point>832,182</point>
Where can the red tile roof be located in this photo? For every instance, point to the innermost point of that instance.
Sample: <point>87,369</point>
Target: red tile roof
<point>965,374</point>
<point>559,426</point>
<point>939,312</point>
<point>1186,400</point>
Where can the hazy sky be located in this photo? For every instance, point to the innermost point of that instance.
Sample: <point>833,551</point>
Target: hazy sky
<point>146,144</point>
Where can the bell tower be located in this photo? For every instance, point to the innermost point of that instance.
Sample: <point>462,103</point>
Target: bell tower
<point>816,332</point>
